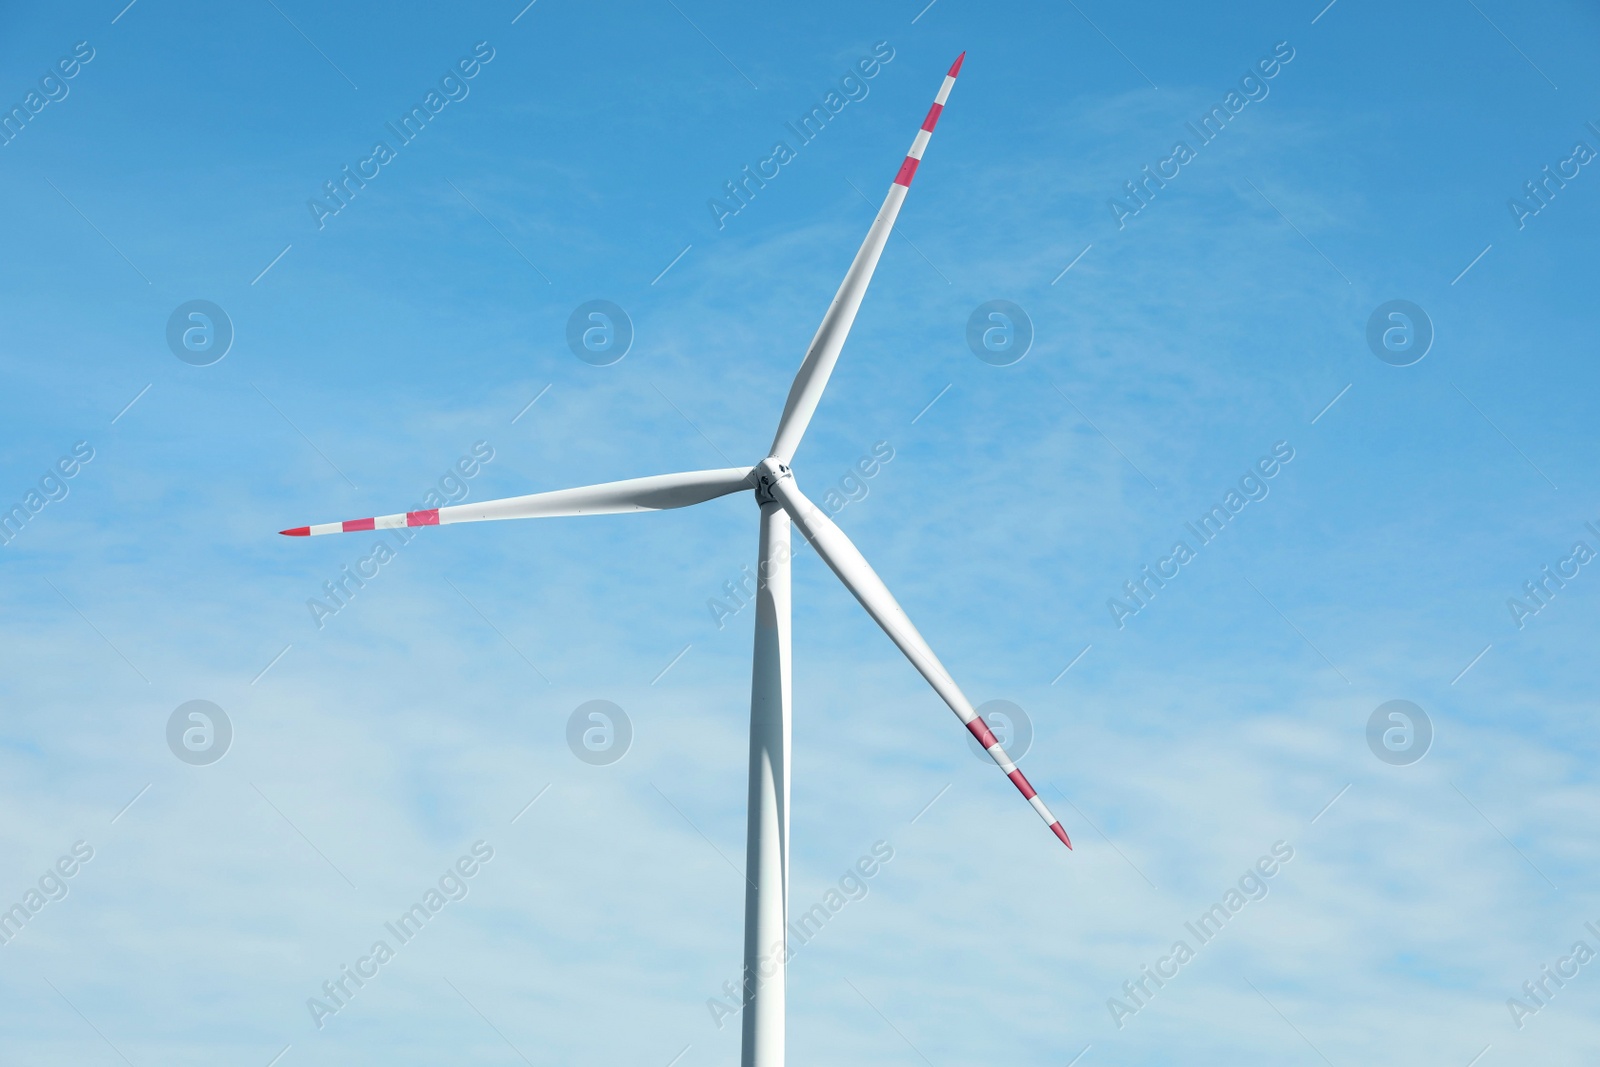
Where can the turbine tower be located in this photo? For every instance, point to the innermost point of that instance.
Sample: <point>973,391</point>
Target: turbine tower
<point>783,508</point>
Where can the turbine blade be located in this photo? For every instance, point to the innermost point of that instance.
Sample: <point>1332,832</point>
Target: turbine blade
<point>654,493</point>
<point>859,577</point>
<point>812,379</point>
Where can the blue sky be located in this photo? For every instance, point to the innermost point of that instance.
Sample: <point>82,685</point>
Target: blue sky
<point>1223,317</point>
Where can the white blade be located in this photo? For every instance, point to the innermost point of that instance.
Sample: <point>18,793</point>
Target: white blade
<point>806,392</point>
<point>654,493</point>
<point>859,577</point>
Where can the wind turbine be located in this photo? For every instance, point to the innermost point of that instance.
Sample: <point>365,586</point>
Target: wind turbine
<point>781,504</point>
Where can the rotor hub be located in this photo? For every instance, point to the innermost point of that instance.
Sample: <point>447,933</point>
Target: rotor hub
<point>768,473</point>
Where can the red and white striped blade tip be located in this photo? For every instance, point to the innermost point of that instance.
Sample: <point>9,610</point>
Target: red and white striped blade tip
<point>955,68</point>
<point>980,730</point>
<point>425,517</point>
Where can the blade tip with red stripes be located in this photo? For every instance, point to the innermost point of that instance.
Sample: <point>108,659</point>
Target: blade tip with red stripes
<point>298,531</point>
<point>955,68</point>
